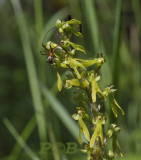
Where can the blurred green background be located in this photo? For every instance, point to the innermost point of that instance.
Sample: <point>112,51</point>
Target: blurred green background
<point>32,111</point>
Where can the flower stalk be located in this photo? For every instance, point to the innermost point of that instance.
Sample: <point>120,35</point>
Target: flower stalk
<point>84,76</point>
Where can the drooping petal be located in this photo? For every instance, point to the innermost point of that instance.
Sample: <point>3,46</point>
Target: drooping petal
<point>94,90</point>
<point>114,106</point>
<point>59,82</point>
<point>118,106</point>
<point>74,21</point>
<point>77,47</point>
<point>97,132</point>
<point>84,128</point>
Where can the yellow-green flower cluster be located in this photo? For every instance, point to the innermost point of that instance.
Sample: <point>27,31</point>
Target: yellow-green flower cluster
<point>84,75</point>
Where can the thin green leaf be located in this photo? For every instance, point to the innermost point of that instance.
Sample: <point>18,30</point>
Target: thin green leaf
<point>25,135</point>
<point>30,65</point>
<point>19,139</point>
<point>117,42</point>
<point>61,112</point>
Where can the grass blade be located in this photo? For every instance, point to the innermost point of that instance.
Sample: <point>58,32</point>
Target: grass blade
<point>25,135</point>
<point>19,139</point>
<point>32,75</point>
<point>93,24</point>
<point>116,44</point>
<point>38,16</point>
<point>62,113</point>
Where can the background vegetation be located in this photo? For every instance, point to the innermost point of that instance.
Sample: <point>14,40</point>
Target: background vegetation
<point>31,109</point>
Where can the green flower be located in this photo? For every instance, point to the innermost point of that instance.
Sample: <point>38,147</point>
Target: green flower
<point>75,65</point>
<point>59,82</point>
<point>82,126</point>
<point>94,85</point>
<point>98,131</point>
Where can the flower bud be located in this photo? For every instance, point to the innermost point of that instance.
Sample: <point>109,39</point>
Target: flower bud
<point>58,23</point>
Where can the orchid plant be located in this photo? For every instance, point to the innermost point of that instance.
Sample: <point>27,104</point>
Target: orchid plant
<point>84,76</point>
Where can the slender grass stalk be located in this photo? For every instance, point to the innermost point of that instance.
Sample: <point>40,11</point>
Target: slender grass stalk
<point>36,96</point>
<point>19,139</point>
<point>38,16</point>
<point>24,135</point>
<point>116,48</point>
<point>62,113</point>
<point>93,24</point>
<point>116,42</point>
<point>55,150</point>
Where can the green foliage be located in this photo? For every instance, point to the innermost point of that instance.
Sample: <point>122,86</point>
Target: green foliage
<point>111,28</point>
<point>89,116</point>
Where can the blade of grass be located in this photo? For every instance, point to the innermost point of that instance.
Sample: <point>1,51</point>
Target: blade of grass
<point>62,113</point>
<point>92,21</point>
<point>116,47</point>
<point>116,43</point>
<point>32,75</point>
<point>19,139</point>
<point>24,135</point>
<point>38,16</point>
<point>53,141</point>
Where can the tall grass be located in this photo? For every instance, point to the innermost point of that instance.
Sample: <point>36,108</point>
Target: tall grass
<point>120,56</point>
